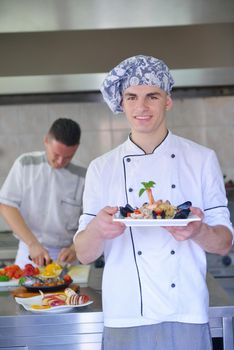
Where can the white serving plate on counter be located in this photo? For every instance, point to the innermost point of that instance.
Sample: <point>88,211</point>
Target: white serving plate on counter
<point>27,302</point>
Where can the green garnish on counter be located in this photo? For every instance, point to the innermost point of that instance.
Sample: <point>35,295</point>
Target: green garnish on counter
<point>4,278</point>
<point>22,280</point>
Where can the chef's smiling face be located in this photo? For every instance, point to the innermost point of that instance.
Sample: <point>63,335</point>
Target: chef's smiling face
<point>145,107</point>
<point>58,154</point>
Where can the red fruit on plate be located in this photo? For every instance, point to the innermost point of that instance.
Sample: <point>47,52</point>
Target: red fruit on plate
<point>57,302</point>
<point>83,299</point>
<point>67,279</point>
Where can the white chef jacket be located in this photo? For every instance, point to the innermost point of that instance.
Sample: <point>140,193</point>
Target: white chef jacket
<point>149,277</point>
<point>50,200</point>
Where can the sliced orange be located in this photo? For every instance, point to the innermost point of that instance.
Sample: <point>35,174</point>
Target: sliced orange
<point>39,307</point>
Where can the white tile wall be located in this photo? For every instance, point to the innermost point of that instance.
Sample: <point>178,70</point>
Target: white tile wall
<point>209,121</point>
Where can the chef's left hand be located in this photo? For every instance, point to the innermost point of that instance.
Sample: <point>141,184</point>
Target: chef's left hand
<point>67,255</point>
<point>182,233</point>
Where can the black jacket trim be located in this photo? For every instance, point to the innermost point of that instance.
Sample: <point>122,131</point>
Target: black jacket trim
<point>154,148</point>
<point>218,206</point>
<point>133,245</point>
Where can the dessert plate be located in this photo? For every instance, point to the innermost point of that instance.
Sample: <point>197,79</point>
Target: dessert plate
<point>37,300</point>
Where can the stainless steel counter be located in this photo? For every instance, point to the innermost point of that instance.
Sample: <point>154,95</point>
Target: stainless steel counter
<point>82,328</point>
<point>221,313</point>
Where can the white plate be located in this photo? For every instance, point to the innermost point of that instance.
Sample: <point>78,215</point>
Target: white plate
<point>27,302</point>
<point>11,283</point>
<point>157,222</point>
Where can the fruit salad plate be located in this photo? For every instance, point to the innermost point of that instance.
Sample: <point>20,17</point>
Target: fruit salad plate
<point>34,304</point>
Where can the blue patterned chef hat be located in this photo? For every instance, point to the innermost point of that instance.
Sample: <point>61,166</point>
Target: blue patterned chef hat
<point>136,70</point>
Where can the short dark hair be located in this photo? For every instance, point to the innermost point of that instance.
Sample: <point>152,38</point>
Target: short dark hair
<point>66,131</point>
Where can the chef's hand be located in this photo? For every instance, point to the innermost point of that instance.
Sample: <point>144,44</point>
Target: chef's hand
<point>104,226</point>
<point>67,255</point>
<point>39,254</point>
<point>182,233</point>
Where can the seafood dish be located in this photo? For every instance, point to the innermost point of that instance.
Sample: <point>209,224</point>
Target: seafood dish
<point>158,210</point>
<point>155,209</point>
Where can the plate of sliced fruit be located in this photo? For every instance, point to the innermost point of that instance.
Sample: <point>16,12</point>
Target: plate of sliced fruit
<point>55,302</point>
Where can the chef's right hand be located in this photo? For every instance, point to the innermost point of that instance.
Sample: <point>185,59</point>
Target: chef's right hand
<point>39,254</point>
<point>104,225</point>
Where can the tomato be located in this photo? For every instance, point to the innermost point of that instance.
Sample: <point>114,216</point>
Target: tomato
<point>67,279</point>
<point>137,211</point>
<point>30,270</point>
<point>12,271</point>
<point>29,266</point>
<point>158,211</point>
<point>18,274</point>
<point>10,274</point>
<point>36,271</point>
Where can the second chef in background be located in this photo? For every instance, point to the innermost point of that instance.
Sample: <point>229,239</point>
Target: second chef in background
<point>41,197</point>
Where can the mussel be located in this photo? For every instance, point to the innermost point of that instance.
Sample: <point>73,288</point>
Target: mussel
<point>125,210</point>
<point>182,214</point>
<point>183,210</point>
<point>185,205</point>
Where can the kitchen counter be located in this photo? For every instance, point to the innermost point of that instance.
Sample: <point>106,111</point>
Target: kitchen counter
<point>221,313</point>
<point>81,329</point>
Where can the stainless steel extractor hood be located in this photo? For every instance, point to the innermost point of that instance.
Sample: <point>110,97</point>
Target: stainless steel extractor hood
<point>68,46</point>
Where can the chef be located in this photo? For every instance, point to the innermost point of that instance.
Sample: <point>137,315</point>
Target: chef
<point>154,282</point>
<point>41,198</point>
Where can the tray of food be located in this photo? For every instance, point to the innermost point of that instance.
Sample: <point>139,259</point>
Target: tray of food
<point>11,275</point>
<point>48,278</point>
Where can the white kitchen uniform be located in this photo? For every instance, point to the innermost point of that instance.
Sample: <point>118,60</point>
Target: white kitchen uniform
<point>149,277</point>
<point>50,200</point>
